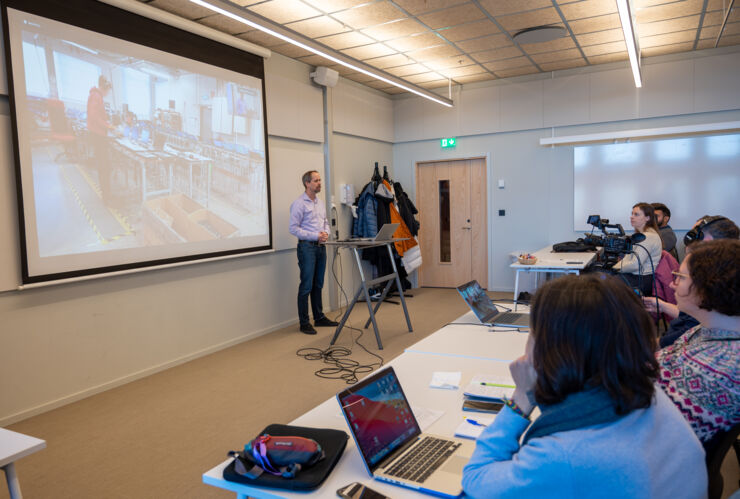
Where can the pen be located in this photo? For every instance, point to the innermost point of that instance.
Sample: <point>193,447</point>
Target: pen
<point>474,422</point>
<point>496,384</point>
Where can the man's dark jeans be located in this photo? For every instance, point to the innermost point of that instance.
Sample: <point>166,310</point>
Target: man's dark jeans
<point>312,263</point>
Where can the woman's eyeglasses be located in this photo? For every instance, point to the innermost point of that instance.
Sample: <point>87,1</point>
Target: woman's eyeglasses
<point>677,276</point>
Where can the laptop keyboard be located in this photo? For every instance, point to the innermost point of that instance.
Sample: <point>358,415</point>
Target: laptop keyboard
<point>507,317</point>
<point>423,459</point>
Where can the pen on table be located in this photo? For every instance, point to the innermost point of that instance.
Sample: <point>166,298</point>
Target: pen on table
<point>496,384</point>
<point>474,422</point>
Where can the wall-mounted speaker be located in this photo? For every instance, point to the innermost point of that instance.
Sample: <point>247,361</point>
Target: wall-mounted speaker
<point>325,76</point>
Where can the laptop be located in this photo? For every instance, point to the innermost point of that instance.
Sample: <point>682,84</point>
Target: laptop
<point>384,234</point>
<point>392,445</point>
<point>486,311</point>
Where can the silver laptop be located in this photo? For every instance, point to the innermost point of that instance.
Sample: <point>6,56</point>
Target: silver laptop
<point>384,234</point>
<point>486,311</point>
<point>391,443</point>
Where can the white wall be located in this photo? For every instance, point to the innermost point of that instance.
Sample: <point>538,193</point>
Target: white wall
<point>506,120</point>
<point>62,343</point>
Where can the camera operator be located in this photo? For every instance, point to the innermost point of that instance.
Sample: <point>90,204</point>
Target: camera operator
<point>636,267</point>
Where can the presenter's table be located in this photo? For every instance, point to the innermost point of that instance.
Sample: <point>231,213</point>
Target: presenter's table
<point>550,262</point>
<point>414,368</point>
<point>14,446</point>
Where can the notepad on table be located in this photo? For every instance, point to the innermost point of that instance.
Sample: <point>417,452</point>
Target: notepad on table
<point>466,429</point>
<point>486,386</point>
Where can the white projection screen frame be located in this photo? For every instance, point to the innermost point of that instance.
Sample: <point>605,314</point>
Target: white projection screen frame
<point>136,144</point>
<point>693,176</point>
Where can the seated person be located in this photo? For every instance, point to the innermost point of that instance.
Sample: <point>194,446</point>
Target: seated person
<point>719,228</point>
<point>662,217</point>
<point>638,267</point>
<point>700,372</point>
<point>605,429</point>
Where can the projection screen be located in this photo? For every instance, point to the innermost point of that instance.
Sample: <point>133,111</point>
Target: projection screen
<point>137,144</point>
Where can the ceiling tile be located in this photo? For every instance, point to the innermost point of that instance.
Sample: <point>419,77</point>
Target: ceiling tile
<point>342,70</point>
<point>485,43</point>
<point>388,61</point>
<point>395,29</point>
<point>225,24</point>
<point>474,78</point>
<point>370,14</point>
<point>642,4</point>
<point>588,8</point>
<point>510,73</point>
<point>713,18</point>
<point>430,53</point>
<point>345,40</point>
<point>667,49</point>
<point>504,7</point>
<point>562,43</point>
<point>246,3</point>
<point>369,51</point>
<point>361,77</point>
<point>378,84</point>
<point>408,69</point>
<point>669,11</point>
<point>450,62</point>
<point>560,55</point>
<point>726,41</point>
<point>514,62</point>
<point>318,26</point>
<point>560,65</point>
<point>493,55</point>
<point>290,50</point>
<point>454,15</point>
<point>423,77</point>
<point>330,6</point>
<point>670,26</point>
<point>667,39</point>
<point>261,38</point>
<point>393,90</point>
<point>415,42</point>
<point>469,30</point>
<point>317,60</point>
<point>463,71</point>
<point>713,31</point>
<point>599,23</point>
<point>188,10</point>
<point>606,58</point>
<point>606,36</point>
<point>284,11</point>
<point>540,17</point>
<point>420,6</point>
<point>605,48</point>
<point>435,83</point>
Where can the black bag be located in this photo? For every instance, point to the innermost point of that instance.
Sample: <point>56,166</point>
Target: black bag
<point>577,246</point>
<point>332,443</point>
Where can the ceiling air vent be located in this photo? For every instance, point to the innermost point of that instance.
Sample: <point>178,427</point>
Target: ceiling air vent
<point>539,34</point>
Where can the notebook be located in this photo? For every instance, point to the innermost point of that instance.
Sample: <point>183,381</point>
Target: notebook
<point>486,311</point>
<point>388,436</point>
<point>384,234</point>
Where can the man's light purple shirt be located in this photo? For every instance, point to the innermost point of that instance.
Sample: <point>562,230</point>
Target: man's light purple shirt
<point>308,218</point>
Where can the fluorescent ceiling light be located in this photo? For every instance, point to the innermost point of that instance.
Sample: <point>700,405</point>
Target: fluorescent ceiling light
<point>630,38</point>
<point>325,53</point>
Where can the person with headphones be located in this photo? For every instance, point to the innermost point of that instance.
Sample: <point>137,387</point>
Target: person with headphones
<point>705,229</point>
<point>638,267</point>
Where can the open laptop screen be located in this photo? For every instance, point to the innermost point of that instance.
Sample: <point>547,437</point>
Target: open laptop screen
<point>379,416</point>
<point>479,302</point>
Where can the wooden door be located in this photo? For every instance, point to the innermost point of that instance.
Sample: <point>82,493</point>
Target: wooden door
<point>453,234</point>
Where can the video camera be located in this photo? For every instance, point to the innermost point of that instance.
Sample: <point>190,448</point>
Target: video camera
<point>615,243</point>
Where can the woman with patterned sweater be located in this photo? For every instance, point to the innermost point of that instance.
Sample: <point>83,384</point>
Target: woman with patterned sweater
<point>700,372</point>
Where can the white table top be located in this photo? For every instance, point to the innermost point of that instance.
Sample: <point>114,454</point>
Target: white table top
<point>14,446</point>
<point>414,371</point>
<point>547,259</point>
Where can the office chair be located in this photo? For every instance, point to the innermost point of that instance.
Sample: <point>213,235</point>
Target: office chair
<point>716,450</point>
<point>61,129</point>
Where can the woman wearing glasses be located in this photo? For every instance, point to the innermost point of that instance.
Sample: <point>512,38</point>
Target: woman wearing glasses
<point>700,372</point>
<point>605,429</point>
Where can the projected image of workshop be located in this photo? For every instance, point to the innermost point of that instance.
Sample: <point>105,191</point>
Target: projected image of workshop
<point>128,152</point>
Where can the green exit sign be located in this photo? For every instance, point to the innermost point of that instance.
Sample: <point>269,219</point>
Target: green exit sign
<point>449,142</point>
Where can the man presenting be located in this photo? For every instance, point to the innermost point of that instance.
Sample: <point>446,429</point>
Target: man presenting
<point>662,217</point>
<point>308,223</point>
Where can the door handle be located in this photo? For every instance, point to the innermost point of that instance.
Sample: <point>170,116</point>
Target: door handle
<point>468,227</point>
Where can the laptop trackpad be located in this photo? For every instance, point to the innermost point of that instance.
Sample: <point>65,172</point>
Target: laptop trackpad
<point>455,464</point>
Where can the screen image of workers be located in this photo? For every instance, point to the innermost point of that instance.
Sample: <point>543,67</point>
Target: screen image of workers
<point>129,154</point>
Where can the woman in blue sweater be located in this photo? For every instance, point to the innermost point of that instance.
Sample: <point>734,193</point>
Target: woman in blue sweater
<point>604,430</point>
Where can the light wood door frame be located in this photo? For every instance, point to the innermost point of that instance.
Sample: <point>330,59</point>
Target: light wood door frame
<point>468,221</point>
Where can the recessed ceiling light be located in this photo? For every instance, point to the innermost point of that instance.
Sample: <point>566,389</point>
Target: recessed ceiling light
<point>539,34</point>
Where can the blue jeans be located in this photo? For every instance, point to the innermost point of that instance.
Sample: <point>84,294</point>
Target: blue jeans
<point>312,264</point>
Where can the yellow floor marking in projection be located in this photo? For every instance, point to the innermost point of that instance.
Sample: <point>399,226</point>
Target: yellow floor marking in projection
<point>122,221</point>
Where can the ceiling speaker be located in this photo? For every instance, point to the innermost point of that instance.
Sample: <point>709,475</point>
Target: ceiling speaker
<point>325,76</point>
